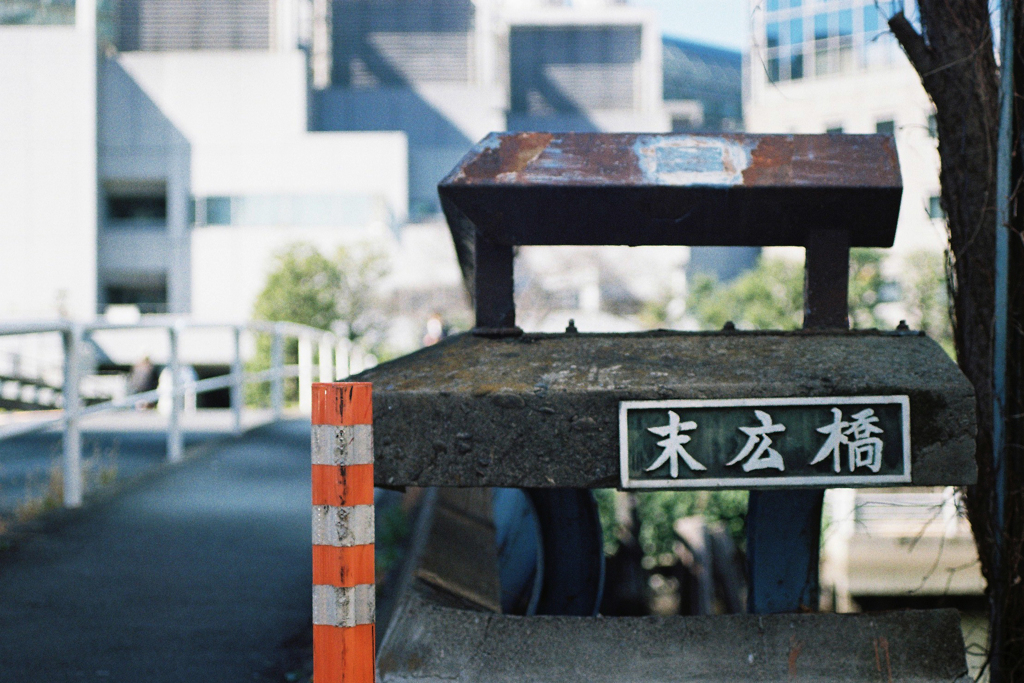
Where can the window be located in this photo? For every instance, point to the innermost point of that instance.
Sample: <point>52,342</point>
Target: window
<point>885,126</point>
<point>935,207</point>
<point>796,31</point>
<point>137,208</point>
<point>218,211</point>
<point>46,12</point>
<point>826,37</point>
<point>289,210</point>
<point>933,126</point>
<point>846,22</point>
<point>834,129</point>
<point>871,23</point>
<point>796,67</point>
<point>134,203</point>
<point>820,26</point>
<point>149,297</point>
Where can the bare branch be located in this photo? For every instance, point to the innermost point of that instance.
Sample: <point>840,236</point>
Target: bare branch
<point>921,56</point>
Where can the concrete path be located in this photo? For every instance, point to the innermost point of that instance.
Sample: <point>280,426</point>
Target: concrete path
<point>200,573</point>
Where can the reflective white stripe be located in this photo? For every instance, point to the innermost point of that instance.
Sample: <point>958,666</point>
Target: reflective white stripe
<point>333,606</point>
<point>342,526</point>
<point>349,445</point>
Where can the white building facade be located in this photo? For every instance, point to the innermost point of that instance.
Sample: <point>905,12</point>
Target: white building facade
<point>48,177</point>
<point>448,72</point>
<point>167,176</point>
<point>820,67</point>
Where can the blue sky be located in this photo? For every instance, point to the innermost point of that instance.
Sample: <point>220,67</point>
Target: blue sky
<point>724,23</point>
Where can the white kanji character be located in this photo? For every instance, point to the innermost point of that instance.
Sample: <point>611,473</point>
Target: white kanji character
<point>865,449</point>
<point>673,445</point>
<point>836,438</point>
<point>764,457</point>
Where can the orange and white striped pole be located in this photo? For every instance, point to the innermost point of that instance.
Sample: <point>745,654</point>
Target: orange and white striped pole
<point>343,578</point>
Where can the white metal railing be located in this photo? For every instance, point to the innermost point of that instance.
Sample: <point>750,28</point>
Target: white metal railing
<point>73,411</point>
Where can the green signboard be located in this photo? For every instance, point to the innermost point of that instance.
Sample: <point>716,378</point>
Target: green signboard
<point>765,443</point>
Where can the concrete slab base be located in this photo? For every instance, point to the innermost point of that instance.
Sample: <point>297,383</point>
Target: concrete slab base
<point>432,642</point>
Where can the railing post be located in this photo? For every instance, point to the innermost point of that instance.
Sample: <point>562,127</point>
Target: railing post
<point>237,382</point>
<point>277,364</point>
<point>343,535</point>
<point>325,360</point>
<point>305,374</point>
<point>72,406</point>
<point>174,438</point>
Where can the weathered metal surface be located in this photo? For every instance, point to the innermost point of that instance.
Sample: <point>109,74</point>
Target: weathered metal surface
<point>431,642</point>
<point>618,188</point>
<point>460,556</point>
<point>542,410</point>
<point>826,279</point>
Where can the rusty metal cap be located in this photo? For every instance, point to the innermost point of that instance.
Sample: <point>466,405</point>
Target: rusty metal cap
<point>675,189</point>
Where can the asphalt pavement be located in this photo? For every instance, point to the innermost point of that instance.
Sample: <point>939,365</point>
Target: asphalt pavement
<point>199,572</point>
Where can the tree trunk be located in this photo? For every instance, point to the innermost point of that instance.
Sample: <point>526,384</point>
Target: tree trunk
<point>954,55</point>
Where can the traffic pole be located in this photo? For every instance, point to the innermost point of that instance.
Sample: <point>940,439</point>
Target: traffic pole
<point>344,640</point>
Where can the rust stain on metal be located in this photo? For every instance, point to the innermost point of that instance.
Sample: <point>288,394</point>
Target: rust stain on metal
<point>823,161</point>
<point>631,160</point>
<point>795,648</point>
<point>770,162</point>
<point>546,158</point>
<point>510,156</point>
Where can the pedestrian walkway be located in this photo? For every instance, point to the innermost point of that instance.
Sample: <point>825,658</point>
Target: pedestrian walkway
<point>200,573</point>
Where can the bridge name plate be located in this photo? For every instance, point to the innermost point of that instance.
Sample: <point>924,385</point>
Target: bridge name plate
<point>765,443</point>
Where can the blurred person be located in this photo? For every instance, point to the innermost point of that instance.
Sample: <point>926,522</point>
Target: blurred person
<point>436,330</point>
<point>142,378</point>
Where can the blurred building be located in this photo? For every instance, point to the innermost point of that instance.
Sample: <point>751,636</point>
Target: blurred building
<point>703,86</point>
<point>814,68</point>
<point>160,156</point>
<point>447,72</point>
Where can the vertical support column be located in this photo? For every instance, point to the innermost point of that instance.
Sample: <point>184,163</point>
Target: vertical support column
<point>493,300</point>
<point>237,382</point>
<point>827,280</point>
<point>72,406</point>
<point>325,359</point>
<point>344,612</point>
<point>784,527</point>
<point>277,364</point>
<point>174,439</point>
<point>305,374</point>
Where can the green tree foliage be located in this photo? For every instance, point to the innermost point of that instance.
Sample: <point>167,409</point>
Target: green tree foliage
<point>770,296</point>
<point>866,286</point>
<point>925,296</point>
<point>308,288</point>
<point>302,288</point>
<point>657,511</point>
<point>767,297</point>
